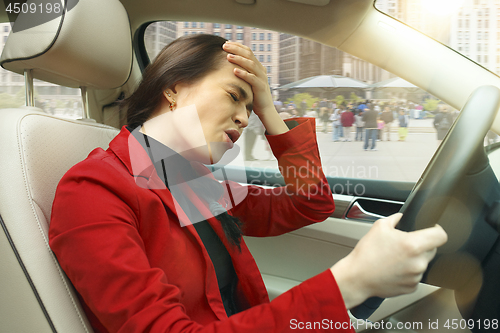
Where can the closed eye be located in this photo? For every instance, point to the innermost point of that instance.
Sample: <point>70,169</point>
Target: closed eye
<point>234,97</point>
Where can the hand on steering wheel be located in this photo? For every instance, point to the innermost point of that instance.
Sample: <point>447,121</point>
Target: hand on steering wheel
<point>457,191</point>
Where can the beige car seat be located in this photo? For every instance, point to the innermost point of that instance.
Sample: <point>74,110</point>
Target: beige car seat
<point>88,46</point>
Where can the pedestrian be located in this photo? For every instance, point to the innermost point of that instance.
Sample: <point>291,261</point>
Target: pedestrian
<point>252,131</point>
<point>362,105</point>
<point>380,128</point>
<point>403,125</point>
<point>387,117</point>
<point>420,111</point>
<point>360,125</point>
<point>443,122</point>
<point>370,119</point>
<point>337,125</point>
<point>323,114</point>
<point>347,120</point>
<point>303,107</point>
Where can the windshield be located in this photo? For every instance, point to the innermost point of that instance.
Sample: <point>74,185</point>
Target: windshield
<point>471,27</point>
<point>405,127</point>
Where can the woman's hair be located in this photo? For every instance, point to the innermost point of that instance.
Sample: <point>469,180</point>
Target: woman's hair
<point>186,60</point>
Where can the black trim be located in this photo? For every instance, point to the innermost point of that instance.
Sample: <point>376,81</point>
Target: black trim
<point>140,48</point>
<point>26,274</point>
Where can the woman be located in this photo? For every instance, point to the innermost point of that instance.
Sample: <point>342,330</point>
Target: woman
<point>159,252</point>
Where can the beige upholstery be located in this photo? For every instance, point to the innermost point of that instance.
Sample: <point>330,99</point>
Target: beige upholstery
<point>88,46</point>
<point>36,150</point>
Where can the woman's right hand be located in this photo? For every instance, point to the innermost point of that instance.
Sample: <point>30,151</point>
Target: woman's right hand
<point>386,262</point>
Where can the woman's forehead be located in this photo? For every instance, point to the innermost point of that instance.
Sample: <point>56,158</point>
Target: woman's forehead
<point>225,75</point>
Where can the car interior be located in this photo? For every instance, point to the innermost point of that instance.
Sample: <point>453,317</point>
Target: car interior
<point>97,46</point>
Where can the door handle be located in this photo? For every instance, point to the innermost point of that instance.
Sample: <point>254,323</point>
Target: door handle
<point>357,212</point>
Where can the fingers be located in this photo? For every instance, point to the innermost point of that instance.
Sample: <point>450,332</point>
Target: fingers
<point>249,69</point>
<point>420,245</point>
<point>247,76</point>
<point>393,219</point>
<point>242,56</point>
<point>239,49</point>
<point>424,239</point>
<point>429,238</point>
<point>247,64</point>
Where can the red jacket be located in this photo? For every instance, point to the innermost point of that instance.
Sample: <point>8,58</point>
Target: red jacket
<point>136,269</point>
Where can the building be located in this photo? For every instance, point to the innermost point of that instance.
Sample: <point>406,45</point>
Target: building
<point>157,35</point>
<point>475,32</point>
<point>302,58</point>
<point>264,43</point>
<point>9,82</point>
<point>472,28</point>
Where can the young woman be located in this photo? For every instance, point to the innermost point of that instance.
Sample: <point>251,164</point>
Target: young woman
<point>152,242</point>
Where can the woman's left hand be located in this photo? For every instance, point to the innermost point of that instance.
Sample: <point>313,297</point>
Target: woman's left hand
<point>255,75</point>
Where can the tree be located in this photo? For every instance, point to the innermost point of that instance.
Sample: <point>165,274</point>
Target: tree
<point>12,101</point>
<point>355,98</point>
<point>339,99</point>
<point>298,98</point>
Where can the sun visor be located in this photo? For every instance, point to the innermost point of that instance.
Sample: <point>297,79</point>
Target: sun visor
<point>88,44</point>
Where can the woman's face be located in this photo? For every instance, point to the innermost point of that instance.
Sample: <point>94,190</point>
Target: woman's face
<point>223,103</point>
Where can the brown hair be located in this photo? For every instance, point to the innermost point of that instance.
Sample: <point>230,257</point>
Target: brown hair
<point>186,59</point>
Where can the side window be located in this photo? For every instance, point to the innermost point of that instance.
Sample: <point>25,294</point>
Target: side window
<point>405,122</point>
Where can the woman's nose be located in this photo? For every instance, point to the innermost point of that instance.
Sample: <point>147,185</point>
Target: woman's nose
<point>241,118</point>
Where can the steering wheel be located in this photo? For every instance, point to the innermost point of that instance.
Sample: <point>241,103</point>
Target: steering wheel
<point>459,191</point>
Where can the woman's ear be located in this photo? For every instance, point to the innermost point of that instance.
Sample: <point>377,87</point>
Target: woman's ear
<point>169,95</point>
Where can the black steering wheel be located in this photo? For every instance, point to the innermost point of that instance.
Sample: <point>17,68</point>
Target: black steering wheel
<point>459,191</point>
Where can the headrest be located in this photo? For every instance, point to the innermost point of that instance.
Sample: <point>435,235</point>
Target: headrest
<point>88,45</point>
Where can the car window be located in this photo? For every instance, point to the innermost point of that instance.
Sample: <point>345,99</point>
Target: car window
<point>51,98</point>
<point>471,27</point>
<point>414,121</point>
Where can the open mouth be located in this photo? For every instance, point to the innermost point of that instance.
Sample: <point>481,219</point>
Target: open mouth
<point>233,134</point>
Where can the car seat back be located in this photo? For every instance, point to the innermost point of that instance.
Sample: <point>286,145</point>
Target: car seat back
<point>36,150</point>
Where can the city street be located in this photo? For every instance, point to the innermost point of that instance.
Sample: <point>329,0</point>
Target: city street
<point>393,160</point>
